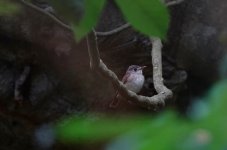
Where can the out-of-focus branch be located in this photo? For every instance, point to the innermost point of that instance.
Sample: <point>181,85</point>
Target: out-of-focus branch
<point>149,102</point>
<point>18,90</point>
<point>174,2</point>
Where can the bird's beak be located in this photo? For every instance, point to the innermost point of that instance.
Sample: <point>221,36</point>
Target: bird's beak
<point>143,67</point>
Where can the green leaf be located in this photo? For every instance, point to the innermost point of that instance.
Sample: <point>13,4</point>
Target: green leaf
<point>216,121</point>
<point>165,131</point>
<point>93,10</point>
<point>147,16</point>
<point>90,129</point>
<point>83,15</point>
<point>8,8</point>
<point>218,99</point>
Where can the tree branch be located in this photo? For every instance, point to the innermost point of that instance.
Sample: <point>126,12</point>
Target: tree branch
<point>97,64</point>
<point>149,102</point>
<point>51,16</point>
<point>67,27</point>
<point>114,31</point>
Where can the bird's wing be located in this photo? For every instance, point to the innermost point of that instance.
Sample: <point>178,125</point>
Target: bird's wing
<point>115,101</point>
<point>126,78</point>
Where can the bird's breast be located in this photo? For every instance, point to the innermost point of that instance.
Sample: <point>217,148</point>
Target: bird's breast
<point>135,84</point>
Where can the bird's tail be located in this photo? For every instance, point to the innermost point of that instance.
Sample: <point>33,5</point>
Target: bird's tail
<point>114,103</point>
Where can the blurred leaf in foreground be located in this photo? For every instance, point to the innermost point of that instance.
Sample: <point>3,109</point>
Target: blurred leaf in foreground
<point>223,67</point>
<point>92,13</point>
<point>83,15</point>
<point>90,129</point>
<point>150,17</point>
<point>8,8</point>
<point>165,131</point>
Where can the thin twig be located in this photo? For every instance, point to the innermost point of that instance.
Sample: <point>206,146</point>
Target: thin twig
<point>65,26</point>
<point>52,17</point>
<point>149,102</point>
<point>97,64</point>
<point>114,31</point>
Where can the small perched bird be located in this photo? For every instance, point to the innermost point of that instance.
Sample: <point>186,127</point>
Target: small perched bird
<point>133,80</point>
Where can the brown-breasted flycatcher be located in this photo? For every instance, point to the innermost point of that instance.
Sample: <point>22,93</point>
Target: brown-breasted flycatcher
<point>133,80</point>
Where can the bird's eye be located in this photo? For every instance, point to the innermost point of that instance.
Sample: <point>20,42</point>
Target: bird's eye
<point>135,69</point>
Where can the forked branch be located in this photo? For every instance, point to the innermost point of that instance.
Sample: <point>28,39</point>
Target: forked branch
<point>67,27</point>
<point>97,65</point>
<point>155,101</point>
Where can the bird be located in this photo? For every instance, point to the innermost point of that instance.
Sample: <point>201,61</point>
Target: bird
<point>133,81</point>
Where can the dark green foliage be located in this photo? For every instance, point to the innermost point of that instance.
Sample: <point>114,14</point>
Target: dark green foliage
<point>8,8</point>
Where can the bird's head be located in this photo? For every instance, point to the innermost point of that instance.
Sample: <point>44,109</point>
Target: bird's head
<point>136,69</point>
